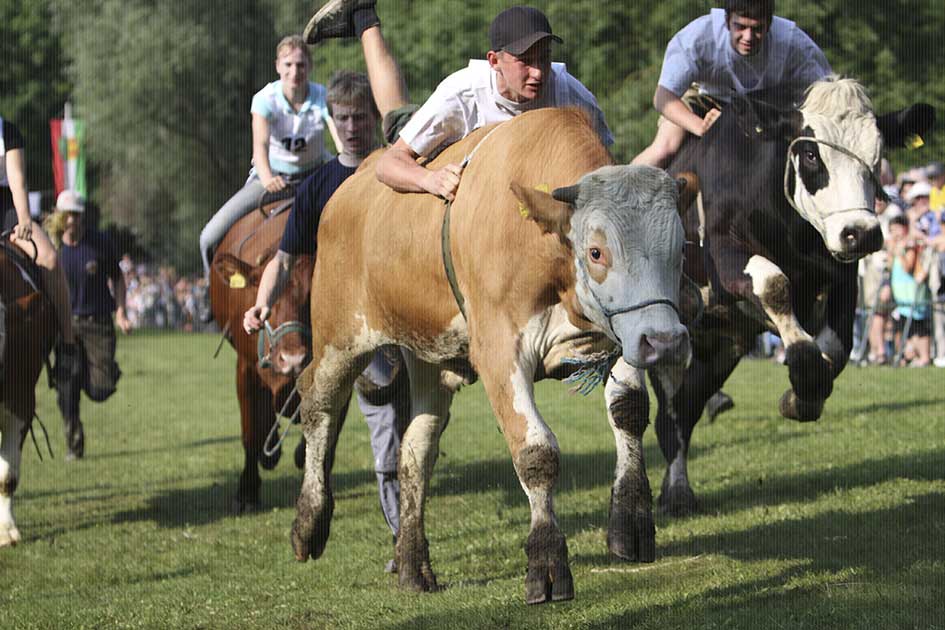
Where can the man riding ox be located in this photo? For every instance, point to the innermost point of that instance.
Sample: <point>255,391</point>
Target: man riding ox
<point>787,197</point>
<point>524,285</point>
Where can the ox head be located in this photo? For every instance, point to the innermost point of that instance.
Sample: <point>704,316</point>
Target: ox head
<point>831,174</point>
<point>283,347</point>
<point>624,231</point>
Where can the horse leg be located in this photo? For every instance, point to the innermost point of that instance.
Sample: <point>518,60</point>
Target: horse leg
<point>681,397</point>
<point>325,389</point>
<point>249,393</point>
<point>11,431</point>
<point>631,532</point>
<point>419,448</point>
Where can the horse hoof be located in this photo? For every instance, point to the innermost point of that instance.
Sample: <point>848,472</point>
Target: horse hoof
<point>10,537</point>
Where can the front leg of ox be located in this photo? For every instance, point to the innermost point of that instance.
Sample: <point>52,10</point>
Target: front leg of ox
<point>809,369</point>
<point>508,377</point>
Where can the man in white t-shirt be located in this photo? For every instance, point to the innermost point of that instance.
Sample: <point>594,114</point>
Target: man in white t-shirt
<point>516,76</point>
<point>740,49</point>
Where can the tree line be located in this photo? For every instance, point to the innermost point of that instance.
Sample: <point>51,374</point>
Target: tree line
<point>165,85</point>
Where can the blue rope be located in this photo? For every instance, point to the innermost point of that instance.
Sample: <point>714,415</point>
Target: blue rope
<point>593,371</point>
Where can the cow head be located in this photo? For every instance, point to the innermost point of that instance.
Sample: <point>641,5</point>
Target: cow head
<point>831,174</point>
<point>623,228</point>
<point>285,350</point>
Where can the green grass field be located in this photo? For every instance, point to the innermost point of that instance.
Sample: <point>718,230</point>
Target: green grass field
<point>837,524</point>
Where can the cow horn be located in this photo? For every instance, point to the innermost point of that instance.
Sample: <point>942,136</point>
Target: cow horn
<point>567,194</point>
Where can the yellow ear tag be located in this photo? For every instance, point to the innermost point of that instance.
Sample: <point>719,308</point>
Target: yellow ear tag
<point>545,188</point>
<point>237,281</point>
<point>522,210</point>
<point>914,141</point>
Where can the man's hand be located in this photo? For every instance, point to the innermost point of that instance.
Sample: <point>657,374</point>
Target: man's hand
<point>121,320</point>
<point>709,120</point>
<point>253,319</point>
<point>273,184</point>
<point>443,182</point>
<point>24,230</point>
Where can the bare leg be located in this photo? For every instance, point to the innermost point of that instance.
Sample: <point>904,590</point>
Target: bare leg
<point>387,82</point>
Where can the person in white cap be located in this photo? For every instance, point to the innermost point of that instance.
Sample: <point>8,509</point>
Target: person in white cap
<point>516,76</point>
<point>89,262</point>
<point>30,238</point>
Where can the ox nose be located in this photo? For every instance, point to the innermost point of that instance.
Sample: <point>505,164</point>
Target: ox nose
<point>664,347</point>
<point>291,364</point>
<point>857,240</point>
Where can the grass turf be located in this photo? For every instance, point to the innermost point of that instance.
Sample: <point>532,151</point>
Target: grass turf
<point>836,524</point>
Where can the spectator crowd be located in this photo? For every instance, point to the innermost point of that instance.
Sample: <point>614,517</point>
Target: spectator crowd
<point>160,298</point>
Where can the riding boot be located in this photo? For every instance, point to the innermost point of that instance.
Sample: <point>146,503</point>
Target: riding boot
<point>75,437</point>
<point>67,363</point>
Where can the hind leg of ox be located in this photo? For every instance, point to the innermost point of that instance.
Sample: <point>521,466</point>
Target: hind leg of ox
<point>325,387</point>
<point>681,397</point>
<point>256,417</point>
<point>631,533</point>
<point>11,430</point>
<point>810,373</point>
<point>419,448</point>
<point>508,377</point>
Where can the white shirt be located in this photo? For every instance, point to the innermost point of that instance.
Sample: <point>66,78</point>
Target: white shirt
<point>469,99</point>
<point>296,139</point>
<point>702,53</point>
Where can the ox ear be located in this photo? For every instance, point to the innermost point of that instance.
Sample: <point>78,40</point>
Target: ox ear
<point>551,213</point>
<point>236,273</point>
<point>687,185</point>
<point>903,127</point>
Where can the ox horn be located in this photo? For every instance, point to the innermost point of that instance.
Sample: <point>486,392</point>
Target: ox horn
<point>567,194</point>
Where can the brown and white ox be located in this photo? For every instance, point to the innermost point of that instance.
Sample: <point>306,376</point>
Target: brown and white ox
<point>27,331</point>
<point>265,372</point>
<point>590,269</point>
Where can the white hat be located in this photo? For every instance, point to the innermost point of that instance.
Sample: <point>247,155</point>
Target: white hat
<point>70,201</point>
<point>919,189</point>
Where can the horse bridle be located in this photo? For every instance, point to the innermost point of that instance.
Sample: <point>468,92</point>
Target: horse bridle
<point>788,164</point>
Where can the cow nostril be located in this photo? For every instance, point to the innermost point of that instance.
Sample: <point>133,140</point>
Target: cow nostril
<point>851,237</point>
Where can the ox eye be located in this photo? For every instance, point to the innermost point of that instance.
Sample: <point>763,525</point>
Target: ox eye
<point>810,157</point>
<point>596,254</point>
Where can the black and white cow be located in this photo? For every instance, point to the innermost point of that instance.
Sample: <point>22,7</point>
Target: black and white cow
<point>787,194</point>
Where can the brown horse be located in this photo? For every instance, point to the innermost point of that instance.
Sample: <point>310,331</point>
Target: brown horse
<point>27,331</point>
<point>266,368</point>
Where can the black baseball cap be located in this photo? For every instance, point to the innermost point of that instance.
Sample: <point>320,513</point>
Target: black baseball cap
<point>517,29</point>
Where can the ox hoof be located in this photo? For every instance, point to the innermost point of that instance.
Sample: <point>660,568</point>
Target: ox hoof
<point>677,501</point>
<point>549,584</point>
<point>632,537</point>
<point>311,528</point>
<point>269,462</point>
<point>810,375</point>
<point>548,577</point>
<point>793,408</point>
<point>10,537</point>
<point>412,561</point>
<point>299,455</point>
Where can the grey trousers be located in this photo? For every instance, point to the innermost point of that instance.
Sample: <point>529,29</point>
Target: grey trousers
<point>239,205</point>
<point>386,430</point>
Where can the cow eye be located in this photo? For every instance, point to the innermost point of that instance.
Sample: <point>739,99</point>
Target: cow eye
<point>595,254</point>
<point>810,156</point>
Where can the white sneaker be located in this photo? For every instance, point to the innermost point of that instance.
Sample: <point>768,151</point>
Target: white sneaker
<point>939,362</point>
